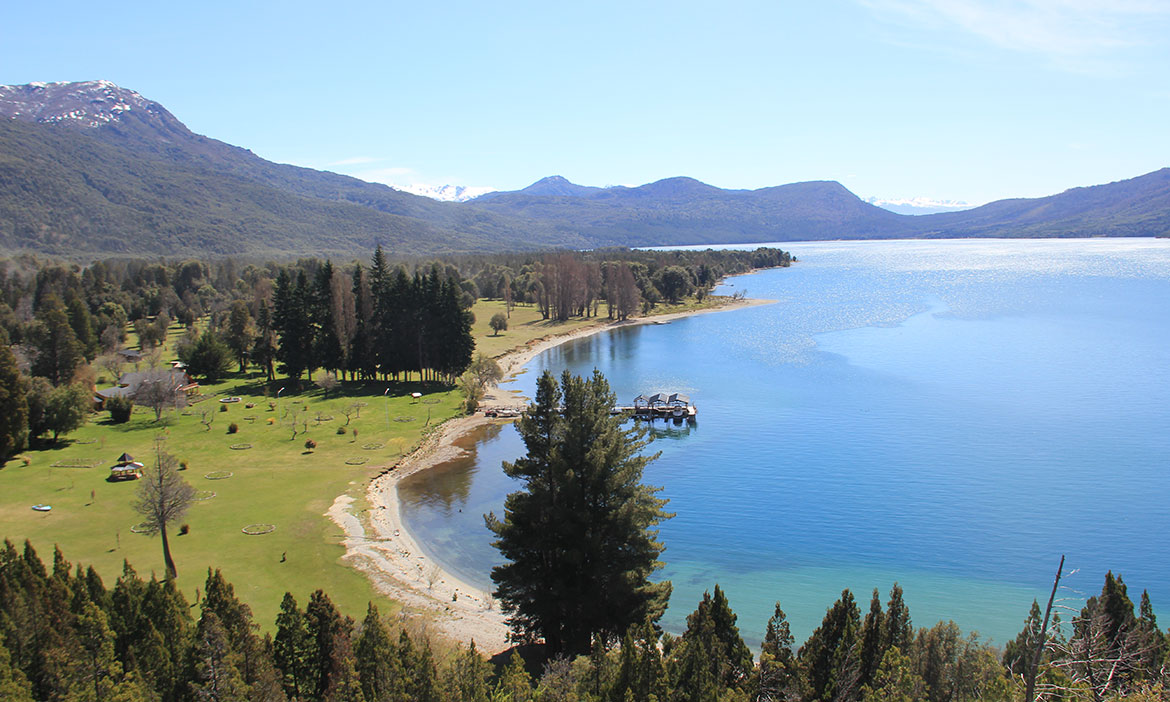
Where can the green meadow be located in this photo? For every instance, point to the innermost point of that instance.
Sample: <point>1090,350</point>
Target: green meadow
<point>274,480</point>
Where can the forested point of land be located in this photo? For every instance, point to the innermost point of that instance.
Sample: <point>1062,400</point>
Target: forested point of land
<point>65,635</point>
<point>65,324</point>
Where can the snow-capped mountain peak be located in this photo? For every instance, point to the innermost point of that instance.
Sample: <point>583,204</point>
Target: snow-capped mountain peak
<point>445,193</point>
<point>918,205</point>
<point>90,103</point>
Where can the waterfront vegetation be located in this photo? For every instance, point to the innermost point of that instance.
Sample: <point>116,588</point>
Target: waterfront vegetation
<point>68,635</point>
<point>255,544</point>
<point>66,322</point>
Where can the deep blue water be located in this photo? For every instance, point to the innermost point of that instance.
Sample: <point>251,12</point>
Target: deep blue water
<point>952,415</point>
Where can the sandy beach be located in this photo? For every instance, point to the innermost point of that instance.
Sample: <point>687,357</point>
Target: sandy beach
<point>384,550</point>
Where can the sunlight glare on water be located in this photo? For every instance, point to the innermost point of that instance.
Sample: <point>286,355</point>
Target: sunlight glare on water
<point>951,415</point>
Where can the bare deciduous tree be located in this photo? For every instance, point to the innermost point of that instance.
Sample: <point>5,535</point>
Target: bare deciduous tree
<point>112,363</point>
<point>328,381</point>
<point>163,497</point>
<point>160,390</point>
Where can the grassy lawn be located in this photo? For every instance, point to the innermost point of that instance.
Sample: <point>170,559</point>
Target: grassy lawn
<point>525,324</point>
<point>275,481</point>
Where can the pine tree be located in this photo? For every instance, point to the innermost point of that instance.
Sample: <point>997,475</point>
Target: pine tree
<point>779,673</point>
<point>898,629</point>
<point>377,660</point>
<point>466,677</point>
<point>362,361</point>
<point>14,686</point>
<point>422,679</point>
<point>829,655</point>
<point>1152,640</point>
<point>254,657</point>
<point>894,680</point>
<point>13,403</point>
<point>641,671</point>
<point>1017,654</point>
<point>58,351</point>
<point>326,347</point>
<point>81,321</point>
<point>217,672</point>
<point>331,662</point>
<point>240,333</point>
<point>714,656</point>
<point>515,684</point>
<point>579,537</point>
<point>264,348</point>
<point>96,671</point>
<point>209,357</point>
<point>871,643</point>
<point>293,649</point>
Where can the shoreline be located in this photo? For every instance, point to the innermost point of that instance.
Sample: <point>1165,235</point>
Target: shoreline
<point>391,557</point>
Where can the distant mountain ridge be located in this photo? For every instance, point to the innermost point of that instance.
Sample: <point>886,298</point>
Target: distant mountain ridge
<point>698,213</point>
<point>92,169</point>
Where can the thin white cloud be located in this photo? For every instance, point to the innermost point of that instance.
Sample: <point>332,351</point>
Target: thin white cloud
<point>1069,32</point>
<point>355,161</point>
<point>388,176</point>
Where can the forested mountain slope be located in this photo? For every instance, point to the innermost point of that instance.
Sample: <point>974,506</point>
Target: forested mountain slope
<point>91,168</point>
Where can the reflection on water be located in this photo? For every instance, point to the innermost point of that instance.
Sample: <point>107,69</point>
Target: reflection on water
<point>670,428</point>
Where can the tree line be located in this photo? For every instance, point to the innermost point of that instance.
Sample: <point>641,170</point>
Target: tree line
<point>65,635</point>
<point>375,322</point>
<point>61,324</point>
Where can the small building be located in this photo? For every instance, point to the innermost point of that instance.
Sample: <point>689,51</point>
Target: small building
<point>126,468</point>
<point>128,384</point>
<point>130,355</point>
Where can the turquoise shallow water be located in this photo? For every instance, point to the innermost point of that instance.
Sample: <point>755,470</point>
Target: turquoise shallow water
<point>952,415</point>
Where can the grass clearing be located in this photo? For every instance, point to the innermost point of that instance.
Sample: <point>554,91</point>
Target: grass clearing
<point>276,481</point>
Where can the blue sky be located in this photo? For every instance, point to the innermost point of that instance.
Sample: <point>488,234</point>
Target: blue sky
<point>950,99</point>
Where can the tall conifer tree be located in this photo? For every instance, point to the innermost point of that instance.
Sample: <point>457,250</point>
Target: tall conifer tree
<point>13,403</point>
<point>578,538</point>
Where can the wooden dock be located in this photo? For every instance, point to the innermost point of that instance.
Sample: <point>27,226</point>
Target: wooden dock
<point>673,406</point>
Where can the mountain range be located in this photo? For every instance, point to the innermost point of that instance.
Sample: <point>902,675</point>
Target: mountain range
<point>91,168</point>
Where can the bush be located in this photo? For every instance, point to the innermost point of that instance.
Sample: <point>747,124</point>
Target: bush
<point>498,323</point>
<point>182,465</point>
<point>223,408</point>
<point>340,431</point>
<point>310,444</point>
<point>120,408</point>
<point>184,530</point>
<point>233,428</point>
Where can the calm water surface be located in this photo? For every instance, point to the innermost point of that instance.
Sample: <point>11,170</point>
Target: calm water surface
<point>950,415</point>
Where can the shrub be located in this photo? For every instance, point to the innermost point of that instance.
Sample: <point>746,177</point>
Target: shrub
<point>183,530</point>
<point>182,465</point>
<point>340,431</point>
<point>271,421</point>
<point>120,408</point>
<point>233,428</point>
<point>310,444</point>
<point>223,408</point>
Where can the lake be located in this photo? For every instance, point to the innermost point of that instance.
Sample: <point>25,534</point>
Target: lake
<point>950,415</point>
